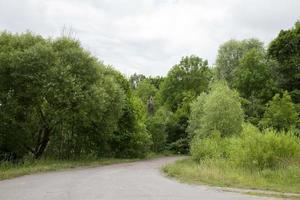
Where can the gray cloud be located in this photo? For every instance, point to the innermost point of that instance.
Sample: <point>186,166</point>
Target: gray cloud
<point>149,36</point>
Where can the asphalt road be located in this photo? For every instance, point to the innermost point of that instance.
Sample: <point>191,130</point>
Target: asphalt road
<point>130,181</point>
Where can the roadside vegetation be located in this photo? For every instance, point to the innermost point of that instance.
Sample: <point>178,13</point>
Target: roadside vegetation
<point>12,170</point>
<point>60,107</point>
<point>244,132</point>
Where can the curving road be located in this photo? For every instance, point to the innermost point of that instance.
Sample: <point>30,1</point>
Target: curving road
<point>131,181</point>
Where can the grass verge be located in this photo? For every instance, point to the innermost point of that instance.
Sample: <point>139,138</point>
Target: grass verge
<point>9,170</point>
<point>221,173</point>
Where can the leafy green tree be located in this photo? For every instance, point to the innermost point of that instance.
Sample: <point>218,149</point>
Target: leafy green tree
<point>157,126</point>
<point>145,90</point>
<point>286,50</point>
<point>156,81</point>
<point>197,112</point>
<point>254,82</point>
<point>229,55</point>
<point>221,112</point>
<point>56,98</point>
<point>185,80</point>
<point>135,79</point>
<point>281,113</point>
<point>132,139</point>
<point>177,135</point>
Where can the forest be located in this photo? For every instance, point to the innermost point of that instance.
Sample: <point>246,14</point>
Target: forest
<point>57,101</point>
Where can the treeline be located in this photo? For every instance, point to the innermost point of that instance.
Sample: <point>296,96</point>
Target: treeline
<point>56,100</point>
<point>249,84</point>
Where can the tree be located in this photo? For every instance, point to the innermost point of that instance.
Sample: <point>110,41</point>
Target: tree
<point>56,98</point>
<point>145,90</point>
<point>254,82</point>
<point>157,126</point>
<point>132,139</point>
<point>183,83</point>
<point>286,50</point>
<point>221,112</point>
<point>281,113</point>
<point>135,79</point>
<point>229,55</point>
<point>185,80</point>
<point>197,112</point>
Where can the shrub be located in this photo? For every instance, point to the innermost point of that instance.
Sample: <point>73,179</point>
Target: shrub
<point>267,149</point>
<point>221,111</point>
<point>157,126</point>
<point>211,147</point>
<point>281,113</point>
<point>196,114</point>
<point>132,139</point>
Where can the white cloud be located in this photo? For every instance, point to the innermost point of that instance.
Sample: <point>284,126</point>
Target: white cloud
<point>149,36</point>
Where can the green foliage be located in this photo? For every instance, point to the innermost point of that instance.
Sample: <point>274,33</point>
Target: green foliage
<point>177,136</point>
<point>197,112</point>
<point>252,149</point>
<point>187,79</point>
<point>145,90</point>
<point>135,79</point>
<point>55,98</point>
<point>253,77</point>
<point>269,149</point>
<point>229,55</point>
<point>221,112</point>
<point>132,138</point>
<point>11,170</point>
<point>219,172</point>
<point>286,50</point>
<point>212,147</point>
<point>281,113</point>
<point>254,82</point>
<point>157,126</point>
<point>183,83</point>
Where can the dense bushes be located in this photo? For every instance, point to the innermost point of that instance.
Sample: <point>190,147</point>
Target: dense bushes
<point>56,98</point>
<point>157,126</point>
<point>252,149</point>
<point>211,147</point>
<point>132,139</point>
<point>215,126</point>
<point>266,149</point>
<point>280,113</point>
<point>220,111</point>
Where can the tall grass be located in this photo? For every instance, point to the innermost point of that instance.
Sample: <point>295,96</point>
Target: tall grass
<point>254,159</point>
<point>220,172</point>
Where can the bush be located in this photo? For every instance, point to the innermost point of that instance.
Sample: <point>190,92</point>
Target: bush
<point>212,147</point>
<point>221,111</point>
<point>267,149</point>
<point>132,138</point>
<point>157,126</point>
<point>197,112</point>
<point>281,113</point>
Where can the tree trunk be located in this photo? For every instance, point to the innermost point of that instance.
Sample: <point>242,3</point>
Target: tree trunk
<point>43,140</point>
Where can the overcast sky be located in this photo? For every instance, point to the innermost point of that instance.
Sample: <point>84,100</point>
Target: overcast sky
<point>150,36</point>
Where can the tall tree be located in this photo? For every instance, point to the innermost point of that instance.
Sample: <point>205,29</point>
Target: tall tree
<point>229,55</point>
<point>253,80</point>
<point>286,50</point>
<point>185,81</point>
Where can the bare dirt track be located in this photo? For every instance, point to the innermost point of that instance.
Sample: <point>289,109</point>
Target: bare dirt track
<point>131,181</point>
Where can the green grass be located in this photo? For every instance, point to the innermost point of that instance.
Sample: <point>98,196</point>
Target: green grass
<point>9,170</point>
<point>221,173</point>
